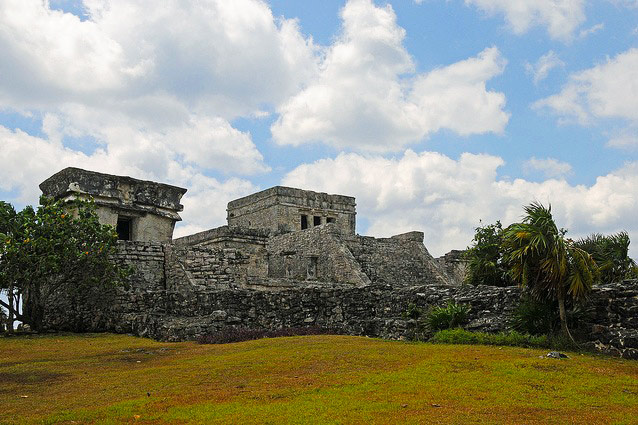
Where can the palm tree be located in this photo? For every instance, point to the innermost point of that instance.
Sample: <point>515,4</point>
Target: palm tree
<point>611,253</point>
<point>542,259</point>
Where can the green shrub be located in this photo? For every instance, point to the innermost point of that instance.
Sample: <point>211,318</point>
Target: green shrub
<point>540,317</point>
<point>511,338</point>
<point>450,316</point>
<point>413,312</point>
<point>535,317</point>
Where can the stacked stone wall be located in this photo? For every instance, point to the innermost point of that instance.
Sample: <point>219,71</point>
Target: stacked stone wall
<point>455,265</point>
<point>113,308</point>
<point>612,318</point>
<point>205,267</point>
<point>399,261</point>
<point>376,311</point>
<point>317,254</point>
<point>164,302</point>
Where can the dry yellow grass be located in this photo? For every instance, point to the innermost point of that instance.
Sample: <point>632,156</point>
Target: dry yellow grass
<point>103,378</point>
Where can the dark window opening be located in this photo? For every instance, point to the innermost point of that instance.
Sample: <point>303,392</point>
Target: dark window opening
<point>304,222</point>
<point>330,220</point>
<point>123,228</point>
<point>316,221</point>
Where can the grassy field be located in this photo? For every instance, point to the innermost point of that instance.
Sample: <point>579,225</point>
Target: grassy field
<point>103,378</point>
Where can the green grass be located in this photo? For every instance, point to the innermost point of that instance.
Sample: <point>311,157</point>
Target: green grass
<point>311,379</point>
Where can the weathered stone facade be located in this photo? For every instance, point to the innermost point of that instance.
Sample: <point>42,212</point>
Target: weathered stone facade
<point>455,265</point>
<point>140,210</point>
<point>166,304</point>
<point>286,209</point>
<point>246,275</point>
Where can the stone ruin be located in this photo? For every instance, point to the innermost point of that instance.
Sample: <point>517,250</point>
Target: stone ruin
<point>287,258</point>
<point>139,210</point>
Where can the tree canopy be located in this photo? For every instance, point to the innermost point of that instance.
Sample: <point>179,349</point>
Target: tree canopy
<point>611,253</point>
<point>58,248</point>
<point>540,258</point>
<point>486,265</point>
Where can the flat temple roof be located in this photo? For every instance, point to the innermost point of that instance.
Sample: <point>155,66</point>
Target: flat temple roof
<point>291,192</point>
<point>77,180</point>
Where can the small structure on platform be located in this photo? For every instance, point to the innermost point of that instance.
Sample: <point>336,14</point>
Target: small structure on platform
<point>286,209</point>
<point>140,210</point>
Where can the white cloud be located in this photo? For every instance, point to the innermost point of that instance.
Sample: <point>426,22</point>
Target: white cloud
<point>29,160</point>
<point>549,167</point>
<point>204,55</point>
<point>591,30</point>
<point>206,200</point>
<point>608,90</point>
<point>151,88</point>
<point>626,139</point>
<point>545,63</point>
<point>561,17</point>
<point>446,198</point>
<point>367,96</point>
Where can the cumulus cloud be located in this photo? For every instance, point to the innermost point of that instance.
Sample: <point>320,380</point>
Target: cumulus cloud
<point>206,200</point>
<point>141,90</point>
<point>545,63</point>
<point>446,198</point>
<point>549,167</point>
<point>367,96</point>
<point>606,91</point>
<point>560,17</point>
<point>153,68</point>
<point>29,160</point>
<point>205,55</point>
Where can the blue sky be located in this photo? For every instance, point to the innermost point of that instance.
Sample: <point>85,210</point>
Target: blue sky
<point>435,114</point>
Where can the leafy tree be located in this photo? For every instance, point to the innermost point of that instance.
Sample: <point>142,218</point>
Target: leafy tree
<point>486,265</point>
<point>60,249</point>
<point>611,254</point>
<point>542,259</point>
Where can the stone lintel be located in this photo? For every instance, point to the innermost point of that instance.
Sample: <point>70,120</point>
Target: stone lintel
<point>111,190</point>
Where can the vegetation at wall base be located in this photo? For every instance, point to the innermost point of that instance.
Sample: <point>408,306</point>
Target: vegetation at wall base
<point>450,316</point>
<point>510,338</point>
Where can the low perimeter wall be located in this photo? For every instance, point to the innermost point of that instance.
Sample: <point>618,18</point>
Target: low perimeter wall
<point>158,305</point>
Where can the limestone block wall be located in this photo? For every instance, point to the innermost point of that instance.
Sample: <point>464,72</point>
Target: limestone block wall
<point>455,265</point>
<point>612,318</point>
<point>401,260</point>
<point>113,309</point>
<point>145,227</point>
<point>280,209</point>
<point>222,258</point>
<point>202,267</point>
<point>376,311</point>
<point>318,254</point>
<point>162,301</point>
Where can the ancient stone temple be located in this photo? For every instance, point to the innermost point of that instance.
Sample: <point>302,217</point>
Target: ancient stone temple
<point>140,210</point>
<point>287,258</point>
